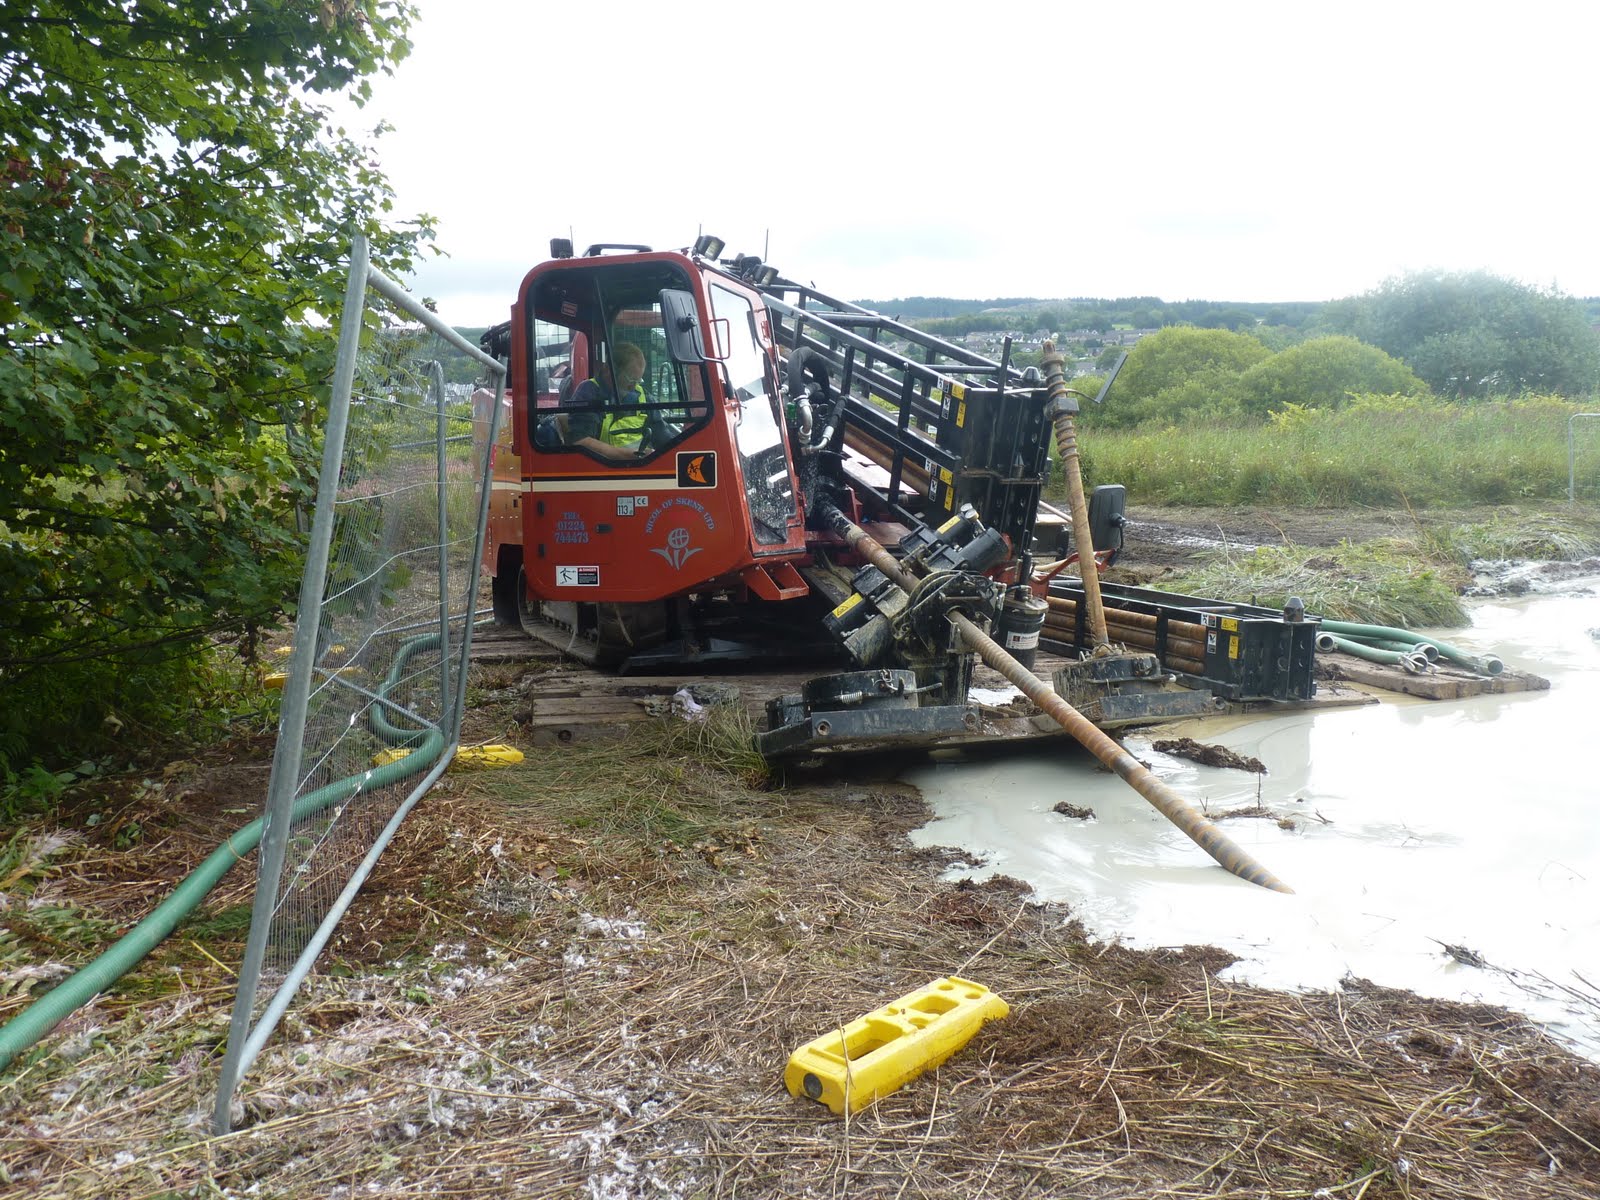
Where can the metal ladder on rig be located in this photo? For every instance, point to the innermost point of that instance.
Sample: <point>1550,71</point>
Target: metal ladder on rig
<point>945,422</point>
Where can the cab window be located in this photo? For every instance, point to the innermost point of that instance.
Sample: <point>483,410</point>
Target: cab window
<point>609,391</point>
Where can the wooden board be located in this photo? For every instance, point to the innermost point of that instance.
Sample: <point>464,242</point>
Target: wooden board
<point>569,703</point>
<point>1444,682</point>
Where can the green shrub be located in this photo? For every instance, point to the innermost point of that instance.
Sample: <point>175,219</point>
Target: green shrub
<point>1323,373</point>
<point>121,705</point>
<point>1178,374</point>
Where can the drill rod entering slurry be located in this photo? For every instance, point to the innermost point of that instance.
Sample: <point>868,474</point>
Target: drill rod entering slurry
<point>1166,801</point>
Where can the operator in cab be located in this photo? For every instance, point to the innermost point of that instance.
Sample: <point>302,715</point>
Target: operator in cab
<point>613,434</point>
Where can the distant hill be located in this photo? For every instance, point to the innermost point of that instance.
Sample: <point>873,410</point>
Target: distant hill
<point>942,314</point>
<point>913,308</point>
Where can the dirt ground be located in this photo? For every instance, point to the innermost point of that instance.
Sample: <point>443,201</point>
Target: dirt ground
<point>583,976</point>
<point>1168,538</point>
<point>1159,541</point>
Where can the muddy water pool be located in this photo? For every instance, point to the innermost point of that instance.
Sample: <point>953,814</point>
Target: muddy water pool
<point>1404,827</point>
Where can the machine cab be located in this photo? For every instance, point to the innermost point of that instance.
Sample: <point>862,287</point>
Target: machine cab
<point>650,433</point>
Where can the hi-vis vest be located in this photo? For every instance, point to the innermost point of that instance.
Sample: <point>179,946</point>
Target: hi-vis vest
<point>623,429</point>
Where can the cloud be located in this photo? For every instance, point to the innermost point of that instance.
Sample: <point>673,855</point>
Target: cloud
<point>1257,152</point>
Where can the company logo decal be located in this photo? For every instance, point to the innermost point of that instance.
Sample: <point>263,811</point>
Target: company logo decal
<point>677,550</point>
<point>697,468</point>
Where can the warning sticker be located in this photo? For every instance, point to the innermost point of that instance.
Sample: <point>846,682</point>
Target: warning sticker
<point>577,576</point>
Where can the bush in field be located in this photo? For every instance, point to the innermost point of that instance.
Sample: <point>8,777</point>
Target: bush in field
<point>1180,374</point>
<point>174,223</point>
<point>1323,373</point>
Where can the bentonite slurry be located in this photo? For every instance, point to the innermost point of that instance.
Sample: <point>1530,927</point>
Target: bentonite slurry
<point>1447,847</point>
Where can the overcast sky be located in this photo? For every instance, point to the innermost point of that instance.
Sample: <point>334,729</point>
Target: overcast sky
<point>1274,151</point>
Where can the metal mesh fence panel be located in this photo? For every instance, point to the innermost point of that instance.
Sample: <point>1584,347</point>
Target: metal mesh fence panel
<point>1583,458</point>
<point>373,697</point>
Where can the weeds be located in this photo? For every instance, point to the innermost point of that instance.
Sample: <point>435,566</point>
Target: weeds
<point>1509,534</point>
<point>1378,451</point>
<point>25,858</point>
<point>668,782</point>
<point>126,706</point>
<point>1386,582</point>
<point>34,791</point>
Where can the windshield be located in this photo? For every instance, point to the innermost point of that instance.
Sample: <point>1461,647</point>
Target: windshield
<point>769,487</point>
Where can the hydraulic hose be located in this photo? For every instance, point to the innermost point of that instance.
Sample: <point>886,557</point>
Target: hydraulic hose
<point>1487,664</point>
<point>1165,800</point>
<point>35,1021</point>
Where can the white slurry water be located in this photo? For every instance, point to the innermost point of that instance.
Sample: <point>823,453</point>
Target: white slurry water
<point>1406,827</point>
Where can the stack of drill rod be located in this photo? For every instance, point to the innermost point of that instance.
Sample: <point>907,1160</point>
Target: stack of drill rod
<point>1185,648</point>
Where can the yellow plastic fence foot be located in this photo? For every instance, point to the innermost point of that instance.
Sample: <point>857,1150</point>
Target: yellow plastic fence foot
<point>891,1046</point>
<point>468,757</point>
<point>277,679</point>
<point>285,651</point>
<point>487,756</point>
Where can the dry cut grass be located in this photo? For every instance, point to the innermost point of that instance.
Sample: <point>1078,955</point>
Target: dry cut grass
<point>583,978</point>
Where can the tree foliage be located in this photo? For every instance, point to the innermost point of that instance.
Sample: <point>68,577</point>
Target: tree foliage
<point>1324,373</point>
<point>1180,373</point>
<point>1474,334</point>
<point>175,217</point>
<point>955,318</point>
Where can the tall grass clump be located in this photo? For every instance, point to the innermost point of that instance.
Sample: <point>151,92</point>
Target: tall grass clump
<point>1385,582</point>
<point>1511,534</point>
<point>1376,450</point>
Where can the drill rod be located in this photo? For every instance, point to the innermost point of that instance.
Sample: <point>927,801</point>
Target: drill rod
<point>1165,800</point>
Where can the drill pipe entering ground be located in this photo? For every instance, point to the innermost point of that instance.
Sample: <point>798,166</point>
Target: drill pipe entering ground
<point>1166,801</point>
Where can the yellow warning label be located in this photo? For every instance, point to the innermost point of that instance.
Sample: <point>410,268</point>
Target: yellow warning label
<point>935,395</point>
<point>950,524</point>
<point>949,500</point>
<point>944,474</point>
<point>961,415</point>
<point>958,390</point>
<point>846,605</point>
<point>1230,623</point>
<point>1233,646</point>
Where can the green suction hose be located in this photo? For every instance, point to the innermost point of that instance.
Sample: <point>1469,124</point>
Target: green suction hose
<point>1411,658</point>
<point>1486,665</point>
<point>35,1021</point>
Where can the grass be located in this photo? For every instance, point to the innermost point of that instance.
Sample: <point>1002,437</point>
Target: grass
<point>1509,534</point>
<point>669,783</point>
<point>1385,582</point>
<point>1411,582</point>
<point>620,1030</point>
<point>1378,451</point>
